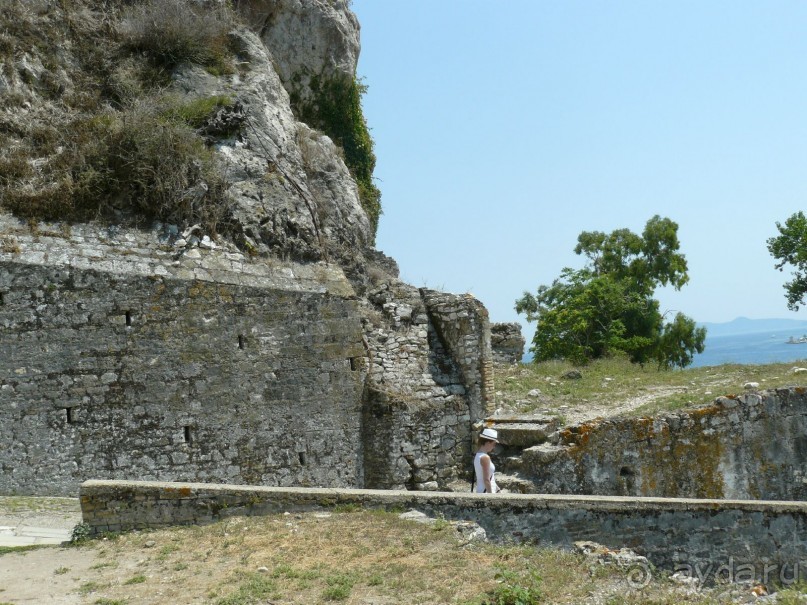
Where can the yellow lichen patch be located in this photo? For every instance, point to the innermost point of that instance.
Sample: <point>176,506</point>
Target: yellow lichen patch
<point>709,410</point>
<point>643,429</point>
<point>183,492</point>
<point>578,435</point>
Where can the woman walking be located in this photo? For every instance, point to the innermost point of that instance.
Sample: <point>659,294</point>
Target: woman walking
<point>484,469</point>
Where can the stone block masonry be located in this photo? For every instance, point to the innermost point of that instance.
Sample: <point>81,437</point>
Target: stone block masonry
<point>506,342</point>
<point>123,357</point>
<point>671,533</point>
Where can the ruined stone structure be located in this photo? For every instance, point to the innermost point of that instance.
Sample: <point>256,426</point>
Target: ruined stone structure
<point>126,357</point>
<point>752,446</point>
<point>507,342</point>
<point>288,353</point>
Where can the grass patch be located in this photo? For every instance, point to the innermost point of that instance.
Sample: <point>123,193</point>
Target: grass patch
<point>136,161</point>
<point>4,550</point>
<point>173,32</point>
<point>112,146</point>
<point>516,588</point>
<point>138,579</point>
<point>16,504</point>
<point>252,588</point>
<point>611,383</point>
<point>90,587</point>
<point>339,586</point>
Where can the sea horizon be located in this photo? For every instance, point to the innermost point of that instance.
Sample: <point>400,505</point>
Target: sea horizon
<point>752,349</point>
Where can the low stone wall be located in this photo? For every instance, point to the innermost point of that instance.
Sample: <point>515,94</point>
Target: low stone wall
<point>758,537</point>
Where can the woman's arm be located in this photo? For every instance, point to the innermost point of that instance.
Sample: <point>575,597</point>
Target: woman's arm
<point>484,461</point>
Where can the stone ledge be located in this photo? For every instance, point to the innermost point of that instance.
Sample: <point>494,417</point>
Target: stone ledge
<point>170,491</point>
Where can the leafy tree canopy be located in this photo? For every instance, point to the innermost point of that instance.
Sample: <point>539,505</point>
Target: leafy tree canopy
<point>790,248</point>
<point>608,305</point>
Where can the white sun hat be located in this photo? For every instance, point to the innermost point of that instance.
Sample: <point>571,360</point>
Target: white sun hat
<point>489,434</point>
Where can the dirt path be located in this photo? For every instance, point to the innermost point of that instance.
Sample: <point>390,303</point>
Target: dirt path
<point>35,573</point>
<point>47,575</point>
<point>592,410</point>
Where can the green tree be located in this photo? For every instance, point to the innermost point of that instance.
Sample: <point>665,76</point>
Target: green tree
<point>608,305</point>
<point>790,248</point>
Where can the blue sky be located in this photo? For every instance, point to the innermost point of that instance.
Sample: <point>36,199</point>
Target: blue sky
<point>504,129</point>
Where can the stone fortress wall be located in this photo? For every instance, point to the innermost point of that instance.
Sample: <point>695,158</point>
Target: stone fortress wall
<point>130,354</point>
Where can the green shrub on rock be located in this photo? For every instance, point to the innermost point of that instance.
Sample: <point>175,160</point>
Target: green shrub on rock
<point>142,161</point>
<point>334,107</point>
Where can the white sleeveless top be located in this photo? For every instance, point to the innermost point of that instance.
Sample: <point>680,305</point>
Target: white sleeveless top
<point>480,480</point>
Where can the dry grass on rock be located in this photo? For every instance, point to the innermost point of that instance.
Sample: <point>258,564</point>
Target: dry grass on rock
<point>616,387</point>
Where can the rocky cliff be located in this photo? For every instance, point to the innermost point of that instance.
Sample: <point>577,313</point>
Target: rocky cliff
<point>188,282</point>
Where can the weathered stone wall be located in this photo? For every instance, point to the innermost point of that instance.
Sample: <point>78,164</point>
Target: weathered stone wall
<point>428,382</point>
<point>463,327</point>
<point>671,533</point>
<point>121,362</point>
<point>749,446</point>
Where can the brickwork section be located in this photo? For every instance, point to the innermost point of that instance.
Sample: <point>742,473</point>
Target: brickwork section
<point>670,532</point>
<point>462,324</point>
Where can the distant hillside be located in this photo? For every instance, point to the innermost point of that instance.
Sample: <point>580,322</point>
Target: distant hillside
<point>743,325</point>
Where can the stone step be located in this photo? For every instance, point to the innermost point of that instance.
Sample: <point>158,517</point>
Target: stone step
<point>523,431</point>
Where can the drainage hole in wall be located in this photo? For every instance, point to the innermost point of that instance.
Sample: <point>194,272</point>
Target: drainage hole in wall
<point>302,457</point>
<point>187,432</point>
<point>354,364</point>
<point>242,342</point>
<point>70,417</point>
<point>626,471</point>
<point>128,319</point>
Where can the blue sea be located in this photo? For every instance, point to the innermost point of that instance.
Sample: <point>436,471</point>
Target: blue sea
<point>756,348</point>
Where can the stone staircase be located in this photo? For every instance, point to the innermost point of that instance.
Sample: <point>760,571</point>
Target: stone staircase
<point>516,434</point>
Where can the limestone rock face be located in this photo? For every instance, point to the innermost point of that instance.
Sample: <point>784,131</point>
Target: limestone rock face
<point>293,195</point>
<point>306,38</point>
